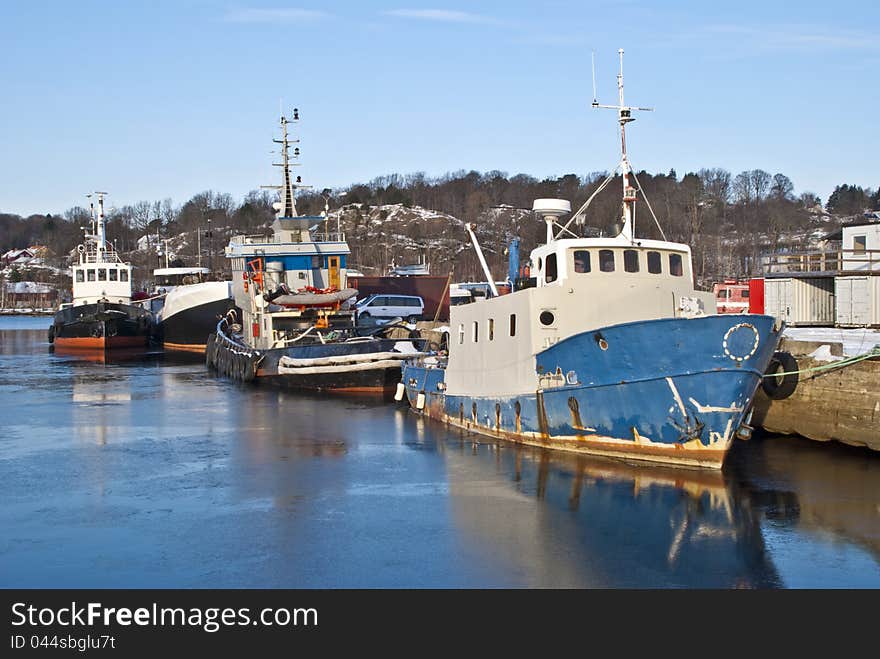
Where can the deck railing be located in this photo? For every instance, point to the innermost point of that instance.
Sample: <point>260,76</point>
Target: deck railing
<point>843,261</point>
<point>318,237</point>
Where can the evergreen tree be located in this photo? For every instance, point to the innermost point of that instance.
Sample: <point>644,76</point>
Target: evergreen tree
<point>848,200</point>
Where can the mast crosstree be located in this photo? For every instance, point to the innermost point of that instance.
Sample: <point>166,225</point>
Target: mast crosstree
<point>286,205</point>
<point>628,210</point>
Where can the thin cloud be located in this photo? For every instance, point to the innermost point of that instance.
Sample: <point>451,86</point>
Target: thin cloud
<point>553,40</point>
<point>441,16</point>
<point>797,37</point>
<point>285,15</point>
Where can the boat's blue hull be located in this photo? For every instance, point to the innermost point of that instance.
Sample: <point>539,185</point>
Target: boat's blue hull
<point>669,390</point>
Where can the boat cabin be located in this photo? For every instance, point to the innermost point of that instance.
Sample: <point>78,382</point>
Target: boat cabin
<point>261,265</point>
<point>580,284</point>
<point>108,280</point>
<point>168,278</point>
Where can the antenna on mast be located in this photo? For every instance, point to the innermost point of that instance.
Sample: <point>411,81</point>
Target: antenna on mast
<point>595,102</point>
<point>624,116</point>
<point>102,232</point>
<point>286,206</point>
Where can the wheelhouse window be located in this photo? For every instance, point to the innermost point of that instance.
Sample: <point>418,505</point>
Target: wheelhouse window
<point>655,265</point>
<point>513,324</point>
<point>113,274</point>
<point>581,260</point>
<point>91,275</point>
<point>631,260</point>
<point>675,268</point>
<point>123,275</point>
<point>461,334</point>
<point>550,273</point>
<point>860,243</point>
<point>606,260</point>
<point>80,276</point>
<point>102,274</point>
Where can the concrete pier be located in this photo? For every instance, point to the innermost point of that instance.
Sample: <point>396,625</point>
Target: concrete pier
<point>836,404</point>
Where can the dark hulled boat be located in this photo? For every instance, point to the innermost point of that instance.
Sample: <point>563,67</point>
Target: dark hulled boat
<point>101,316</point>
<point>101,326</point>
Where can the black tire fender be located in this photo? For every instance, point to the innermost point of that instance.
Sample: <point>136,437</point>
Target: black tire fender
<point>780,387</point>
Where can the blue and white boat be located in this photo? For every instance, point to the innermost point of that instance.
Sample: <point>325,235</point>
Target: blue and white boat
<point>293,324</point>
<point>612,351</point>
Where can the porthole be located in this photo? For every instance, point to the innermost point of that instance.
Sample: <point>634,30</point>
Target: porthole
<point>547,318</point>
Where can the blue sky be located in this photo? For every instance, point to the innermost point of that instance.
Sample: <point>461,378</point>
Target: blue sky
<point>149,100</point>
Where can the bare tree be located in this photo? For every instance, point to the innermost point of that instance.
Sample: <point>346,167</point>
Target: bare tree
<point>782,187</point>
<point>760,183</point>
<point>742,188</point>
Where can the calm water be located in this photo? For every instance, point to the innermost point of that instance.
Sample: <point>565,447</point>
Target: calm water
<point>152,473</point>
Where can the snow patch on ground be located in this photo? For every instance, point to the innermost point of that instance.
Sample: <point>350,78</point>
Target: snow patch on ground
<point>823,354</point>
<point>855,341</point>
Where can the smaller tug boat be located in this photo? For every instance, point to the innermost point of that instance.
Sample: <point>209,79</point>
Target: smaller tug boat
<point>101,316</point>
<point>294,323</point>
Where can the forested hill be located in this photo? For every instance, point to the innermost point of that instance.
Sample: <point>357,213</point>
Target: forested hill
<point>729,221</point>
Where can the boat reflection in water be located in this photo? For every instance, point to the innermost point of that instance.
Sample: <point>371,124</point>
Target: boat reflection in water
<point>825,492</point>
<point>136,356</point>
<point>602,522</point>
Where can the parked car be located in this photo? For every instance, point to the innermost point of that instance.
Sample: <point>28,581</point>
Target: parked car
<point>409,307</point>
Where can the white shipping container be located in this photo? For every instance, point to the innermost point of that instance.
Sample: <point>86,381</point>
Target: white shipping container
<point>858,301</point>
<point>800,301</point>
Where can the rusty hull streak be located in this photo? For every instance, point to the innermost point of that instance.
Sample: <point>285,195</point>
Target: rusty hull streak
<point>689,454</point>
<point>542,416</point>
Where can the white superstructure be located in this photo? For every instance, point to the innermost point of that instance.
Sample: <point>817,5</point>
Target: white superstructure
<point>100,275</point>
<point>581,284</point>
<point>297,257</point>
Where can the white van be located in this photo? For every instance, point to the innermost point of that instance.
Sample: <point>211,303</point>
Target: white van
<point>379,305</point>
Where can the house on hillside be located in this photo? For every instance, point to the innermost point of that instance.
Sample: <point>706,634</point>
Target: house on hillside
<point>41,252</point>
<point>29,295</point>
<point>17,257</point>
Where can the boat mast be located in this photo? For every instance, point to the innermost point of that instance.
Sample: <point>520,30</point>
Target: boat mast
<point>102,230</point>
<point>286,206</point>
<point>624,116</point>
